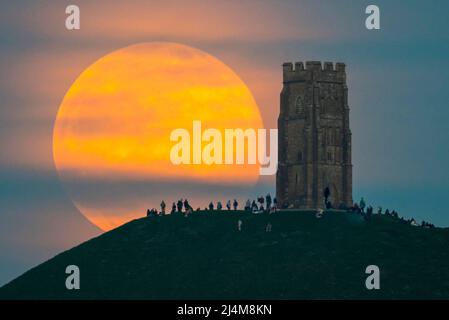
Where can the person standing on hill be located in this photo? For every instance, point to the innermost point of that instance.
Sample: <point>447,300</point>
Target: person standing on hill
<point>236,204</point>
<point>179,205</point>
<point>186,205</point>
<point>248,205</point>
<point>261,200</point>
<point>211,206</point>
<point>326,194</point>
<point>239,225</point>
<point>219,206</point>
<point>163,207</point>
<point>228,205</point>
<point>173,208</point>
<point>362,204</point>
<point>254,206</point>
<point>268,201</point>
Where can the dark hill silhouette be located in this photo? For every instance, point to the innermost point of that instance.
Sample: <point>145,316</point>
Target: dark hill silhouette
<point>204,256</point>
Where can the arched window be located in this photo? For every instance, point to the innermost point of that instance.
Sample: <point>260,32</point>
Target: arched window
<point>299,105</point>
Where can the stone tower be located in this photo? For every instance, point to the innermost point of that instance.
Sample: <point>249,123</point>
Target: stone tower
<point>314,137</point>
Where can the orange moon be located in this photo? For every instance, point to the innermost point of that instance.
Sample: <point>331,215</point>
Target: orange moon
<point>114,123</point>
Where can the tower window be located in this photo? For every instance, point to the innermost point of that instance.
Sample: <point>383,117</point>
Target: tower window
<point>299,104</point>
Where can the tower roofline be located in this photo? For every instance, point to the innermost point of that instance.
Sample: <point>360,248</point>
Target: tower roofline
<point>327,71</point>
<point>313,65</point>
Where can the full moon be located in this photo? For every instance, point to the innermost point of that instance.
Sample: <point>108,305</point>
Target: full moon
<point>112,130</point>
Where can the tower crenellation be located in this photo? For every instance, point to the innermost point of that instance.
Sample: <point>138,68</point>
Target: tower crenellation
<point>326,71</point>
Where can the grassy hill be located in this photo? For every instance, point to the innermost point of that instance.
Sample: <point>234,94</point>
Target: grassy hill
<point>204,256</point>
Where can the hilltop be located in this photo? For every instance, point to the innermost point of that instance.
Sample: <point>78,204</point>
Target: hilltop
<point>204,256</point>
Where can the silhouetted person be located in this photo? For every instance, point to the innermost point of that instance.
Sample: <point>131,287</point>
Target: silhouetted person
<point>248,205</point>
<point>186,205</point>
<point>326,194</point>
<point>173,208</point>
<point>179,205</point>
<point>268,201</point>
<point>219,206</point>
<point>369,212</point>
<point>163,207</point>
<point>228,205</point>
<point>362,204</point>
<point>148,212</point>
<point>275,202</point>
<point>236,204</point>
<point>261,200</point>
<point>211,206</point>
<point>254,206</point>
<point>427,224</point>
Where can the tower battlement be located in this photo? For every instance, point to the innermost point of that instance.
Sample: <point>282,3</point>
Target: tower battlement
<point>314,70</point>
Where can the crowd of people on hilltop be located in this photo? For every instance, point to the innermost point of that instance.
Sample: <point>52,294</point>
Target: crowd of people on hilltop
<point>368,211</point>
<point>261,204</point>
<point>270,205</point>
<point>181,206</point>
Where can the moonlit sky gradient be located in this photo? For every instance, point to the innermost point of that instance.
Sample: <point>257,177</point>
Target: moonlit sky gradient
<point>397,78</point>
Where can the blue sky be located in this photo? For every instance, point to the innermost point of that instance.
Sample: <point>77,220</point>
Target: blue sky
<point>397,78</point>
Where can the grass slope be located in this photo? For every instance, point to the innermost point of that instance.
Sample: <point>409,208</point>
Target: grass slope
<point>204,256</point>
